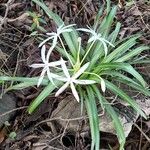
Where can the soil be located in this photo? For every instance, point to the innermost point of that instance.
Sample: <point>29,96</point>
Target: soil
<point>18,50</point>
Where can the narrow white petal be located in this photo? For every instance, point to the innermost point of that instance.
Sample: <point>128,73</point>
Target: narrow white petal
<point>52,34</point>
<point>64,67</point>
<point>59,29</point>
<point>48,54</point>
<point>85,30</point>
<point>43,51</point>
<point>42,43</point>
<point>84,82</point>
<point>81,70</point>
<point>41,77</point>
<point>55,63</point>
<point>74,91</point>
<point>91,39</point>
<point>66,30</point>
<point>62,89</point>
<point>57,77</point>
<point>50,76</point>
<point>51,48</point>
<point>54,42</point>
<point>108,43</point>
<point>68,26</point>
<point>105,46</point>
<point>37,65</point>
<point>103,85</point>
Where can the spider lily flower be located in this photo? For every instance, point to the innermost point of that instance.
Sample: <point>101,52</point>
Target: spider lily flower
<point>45,65</point>
<point>70,81</point>
<point>55,35</point>
<point>97,36</point>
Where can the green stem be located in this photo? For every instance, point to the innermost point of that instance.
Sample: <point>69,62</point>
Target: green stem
<point>87,52</point>
<point>65,50</point>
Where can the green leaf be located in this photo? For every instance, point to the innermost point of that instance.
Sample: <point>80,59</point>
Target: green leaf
<point>23,79</point>
<point>117,124</point>
<point>132,53</point>
<point>127,81</point>
<point>123,66</point>
<point>125,97</point>
<point>113,36</point>
<point>33,26</point>
<point>45,93</point>
<point>93,118</point>
<point>120,50</point>
<point>98,95</point>
<point>21,86</point>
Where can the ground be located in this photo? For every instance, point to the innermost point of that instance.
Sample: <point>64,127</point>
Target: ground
<point>18,50</point>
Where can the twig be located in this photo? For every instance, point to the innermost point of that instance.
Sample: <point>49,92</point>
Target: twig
<point>3,19</point>
<point>148,139</point>
<point>8,112</point>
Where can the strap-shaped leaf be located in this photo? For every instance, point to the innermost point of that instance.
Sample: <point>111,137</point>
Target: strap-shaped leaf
<point>127,81</point>
<point>122,66</point>
<point>45,93</point>
<point>124,97</point>
<point>23,79</point>
<point>20,86</point>
<point>117,124</point>
<point>120,50</point>
<point>132,53</point>
<point>98,95</point>
<point>113,36</point>
<point>93,118</point>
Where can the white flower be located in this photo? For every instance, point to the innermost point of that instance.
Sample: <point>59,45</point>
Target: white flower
<point>45,65</point>
<point>56,35</point>
<point>72,80</point>
<point>97,36</point>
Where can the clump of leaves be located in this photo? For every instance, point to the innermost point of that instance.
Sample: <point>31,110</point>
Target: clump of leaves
<point>84,68</point>
<point>37,21</point>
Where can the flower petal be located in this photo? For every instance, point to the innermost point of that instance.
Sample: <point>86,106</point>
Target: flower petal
<point>103,85</point>
<point>84,82</point>
<point>54,42</point>
<point>49,76</point>
<point>57,77</point>
<point>42,43</point>
<point>108,42</point>
<point>55,63</point>
<point>66,30</point>
<point>68,26</point>
<point>41,77</point>
<point>65,70</point>
<point>51,34</point>
<point>81,70</point>
<point>62,89</point>
<point>93,38</point>
<point>85,30</point>
<point>37,65</point>
<point>105,46</point>
<point>74,91</point>
<point>43,51</point>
